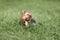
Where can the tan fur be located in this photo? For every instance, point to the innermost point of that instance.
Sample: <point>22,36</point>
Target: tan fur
<point>25,17</point>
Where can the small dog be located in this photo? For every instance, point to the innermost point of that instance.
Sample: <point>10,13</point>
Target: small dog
<point>25,17</point>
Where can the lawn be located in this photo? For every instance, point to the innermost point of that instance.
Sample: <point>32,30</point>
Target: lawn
<point>46,12</point>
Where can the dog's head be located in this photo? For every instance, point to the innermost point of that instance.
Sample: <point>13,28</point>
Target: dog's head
<point>26,16</point>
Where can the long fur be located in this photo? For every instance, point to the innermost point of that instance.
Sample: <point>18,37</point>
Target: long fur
<point>25,17</point>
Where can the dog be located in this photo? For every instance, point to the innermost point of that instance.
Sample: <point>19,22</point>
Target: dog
<point>25,17</point>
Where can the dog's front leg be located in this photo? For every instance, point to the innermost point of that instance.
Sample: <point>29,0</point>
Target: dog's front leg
<point>26,23</point>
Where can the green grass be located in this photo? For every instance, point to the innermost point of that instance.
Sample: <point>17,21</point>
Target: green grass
<point>45,11</point>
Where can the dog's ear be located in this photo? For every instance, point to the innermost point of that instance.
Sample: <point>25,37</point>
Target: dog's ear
<point>23,12</point>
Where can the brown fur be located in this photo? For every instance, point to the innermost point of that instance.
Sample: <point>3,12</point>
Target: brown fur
<point>25,17</point>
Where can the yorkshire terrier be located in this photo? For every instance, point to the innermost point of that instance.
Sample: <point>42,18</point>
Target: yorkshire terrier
<point>25,17</point>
